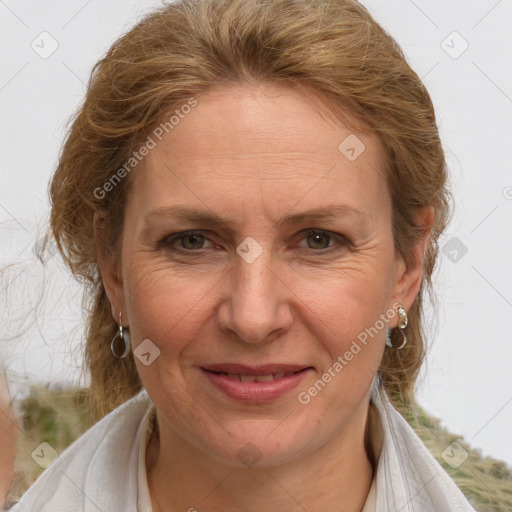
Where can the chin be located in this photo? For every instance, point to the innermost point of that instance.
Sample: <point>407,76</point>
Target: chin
<point>268,444</point>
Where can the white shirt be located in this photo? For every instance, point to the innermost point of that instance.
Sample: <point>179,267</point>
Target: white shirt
<point>105,468</point>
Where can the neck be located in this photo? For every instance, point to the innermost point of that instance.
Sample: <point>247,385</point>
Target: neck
<point>336,477</point>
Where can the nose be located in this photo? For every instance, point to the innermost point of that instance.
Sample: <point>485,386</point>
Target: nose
<point>256,308</point>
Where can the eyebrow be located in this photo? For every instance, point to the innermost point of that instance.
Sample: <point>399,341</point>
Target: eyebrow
<point>187,214</point>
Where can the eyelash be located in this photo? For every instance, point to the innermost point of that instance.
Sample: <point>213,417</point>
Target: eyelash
<point>168,240</point>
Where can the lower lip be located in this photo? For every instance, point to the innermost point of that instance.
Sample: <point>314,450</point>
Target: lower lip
<point>256,392</point>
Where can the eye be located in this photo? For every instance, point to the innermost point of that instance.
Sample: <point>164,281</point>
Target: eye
<point>186,241</point>
<point>192,241</point>
<point>319,240</point>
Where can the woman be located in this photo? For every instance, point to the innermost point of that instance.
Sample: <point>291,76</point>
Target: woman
<point>253,192</point>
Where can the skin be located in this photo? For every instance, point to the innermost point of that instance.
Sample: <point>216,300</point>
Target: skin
<point>252,156</point>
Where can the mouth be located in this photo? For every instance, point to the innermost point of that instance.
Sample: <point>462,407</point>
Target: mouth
<point>256,384</point>
<point>241,377</point>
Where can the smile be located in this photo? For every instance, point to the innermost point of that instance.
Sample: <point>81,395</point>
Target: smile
<point>257,378</point>
<point>256,388</point>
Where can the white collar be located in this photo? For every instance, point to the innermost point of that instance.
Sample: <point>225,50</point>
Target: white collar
<point>409,479</point>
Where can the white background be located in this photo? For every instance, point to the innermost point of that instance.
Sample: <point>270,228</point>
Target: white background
<point>468,379</point>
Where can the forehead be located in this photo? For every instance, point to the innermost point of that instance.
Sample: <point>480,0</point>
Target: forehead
<point>271,141</point>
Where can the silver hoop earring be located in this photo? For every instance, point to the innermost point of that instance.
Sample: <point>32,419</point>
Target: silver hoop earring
<point>402,324</point>
<point>124,336</point>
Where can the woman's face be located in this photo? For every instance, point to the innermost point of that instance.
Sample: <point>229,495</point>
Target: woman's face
<point>278,281</point>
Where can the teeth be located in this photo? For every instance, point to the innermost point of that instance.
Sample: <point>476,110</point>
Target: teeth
<point>248,378</point>
<point>265,378</point>
<point>257,378</point>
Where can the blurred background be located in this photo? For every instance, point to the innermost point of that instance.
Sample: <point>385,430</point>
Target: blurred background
<point>462,50</point>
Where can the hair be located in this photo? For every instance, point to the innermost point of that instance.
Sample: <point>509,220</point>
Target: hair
<point>332,48</point>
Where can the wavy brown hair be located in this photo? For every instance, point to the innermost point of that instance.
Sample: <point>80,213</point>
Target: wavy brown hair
<point>332,48</point>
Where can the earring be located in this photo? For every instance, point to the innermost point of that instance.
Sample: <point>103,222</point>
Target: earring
<point>402,324</point>
<point>124,336</point>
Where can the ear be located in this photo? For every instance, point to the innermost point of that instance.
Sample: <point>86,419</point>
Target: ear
<point>109,275</point>
<point>409,275</point>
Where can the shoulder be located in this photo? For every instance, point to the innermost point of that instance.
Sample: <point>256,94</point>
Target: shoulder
<point>408,476</point>
<point>98,468</point>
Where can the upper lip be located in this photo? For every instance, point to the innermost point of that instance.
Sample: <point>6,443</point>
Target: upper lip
<point>265,369</point>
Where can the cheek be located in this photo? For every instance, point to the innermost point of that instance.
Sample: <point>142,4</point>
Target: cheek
<point>166,307</point>
<point>169,310</point>
<point>347,313</point>
<point>343,301</point>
